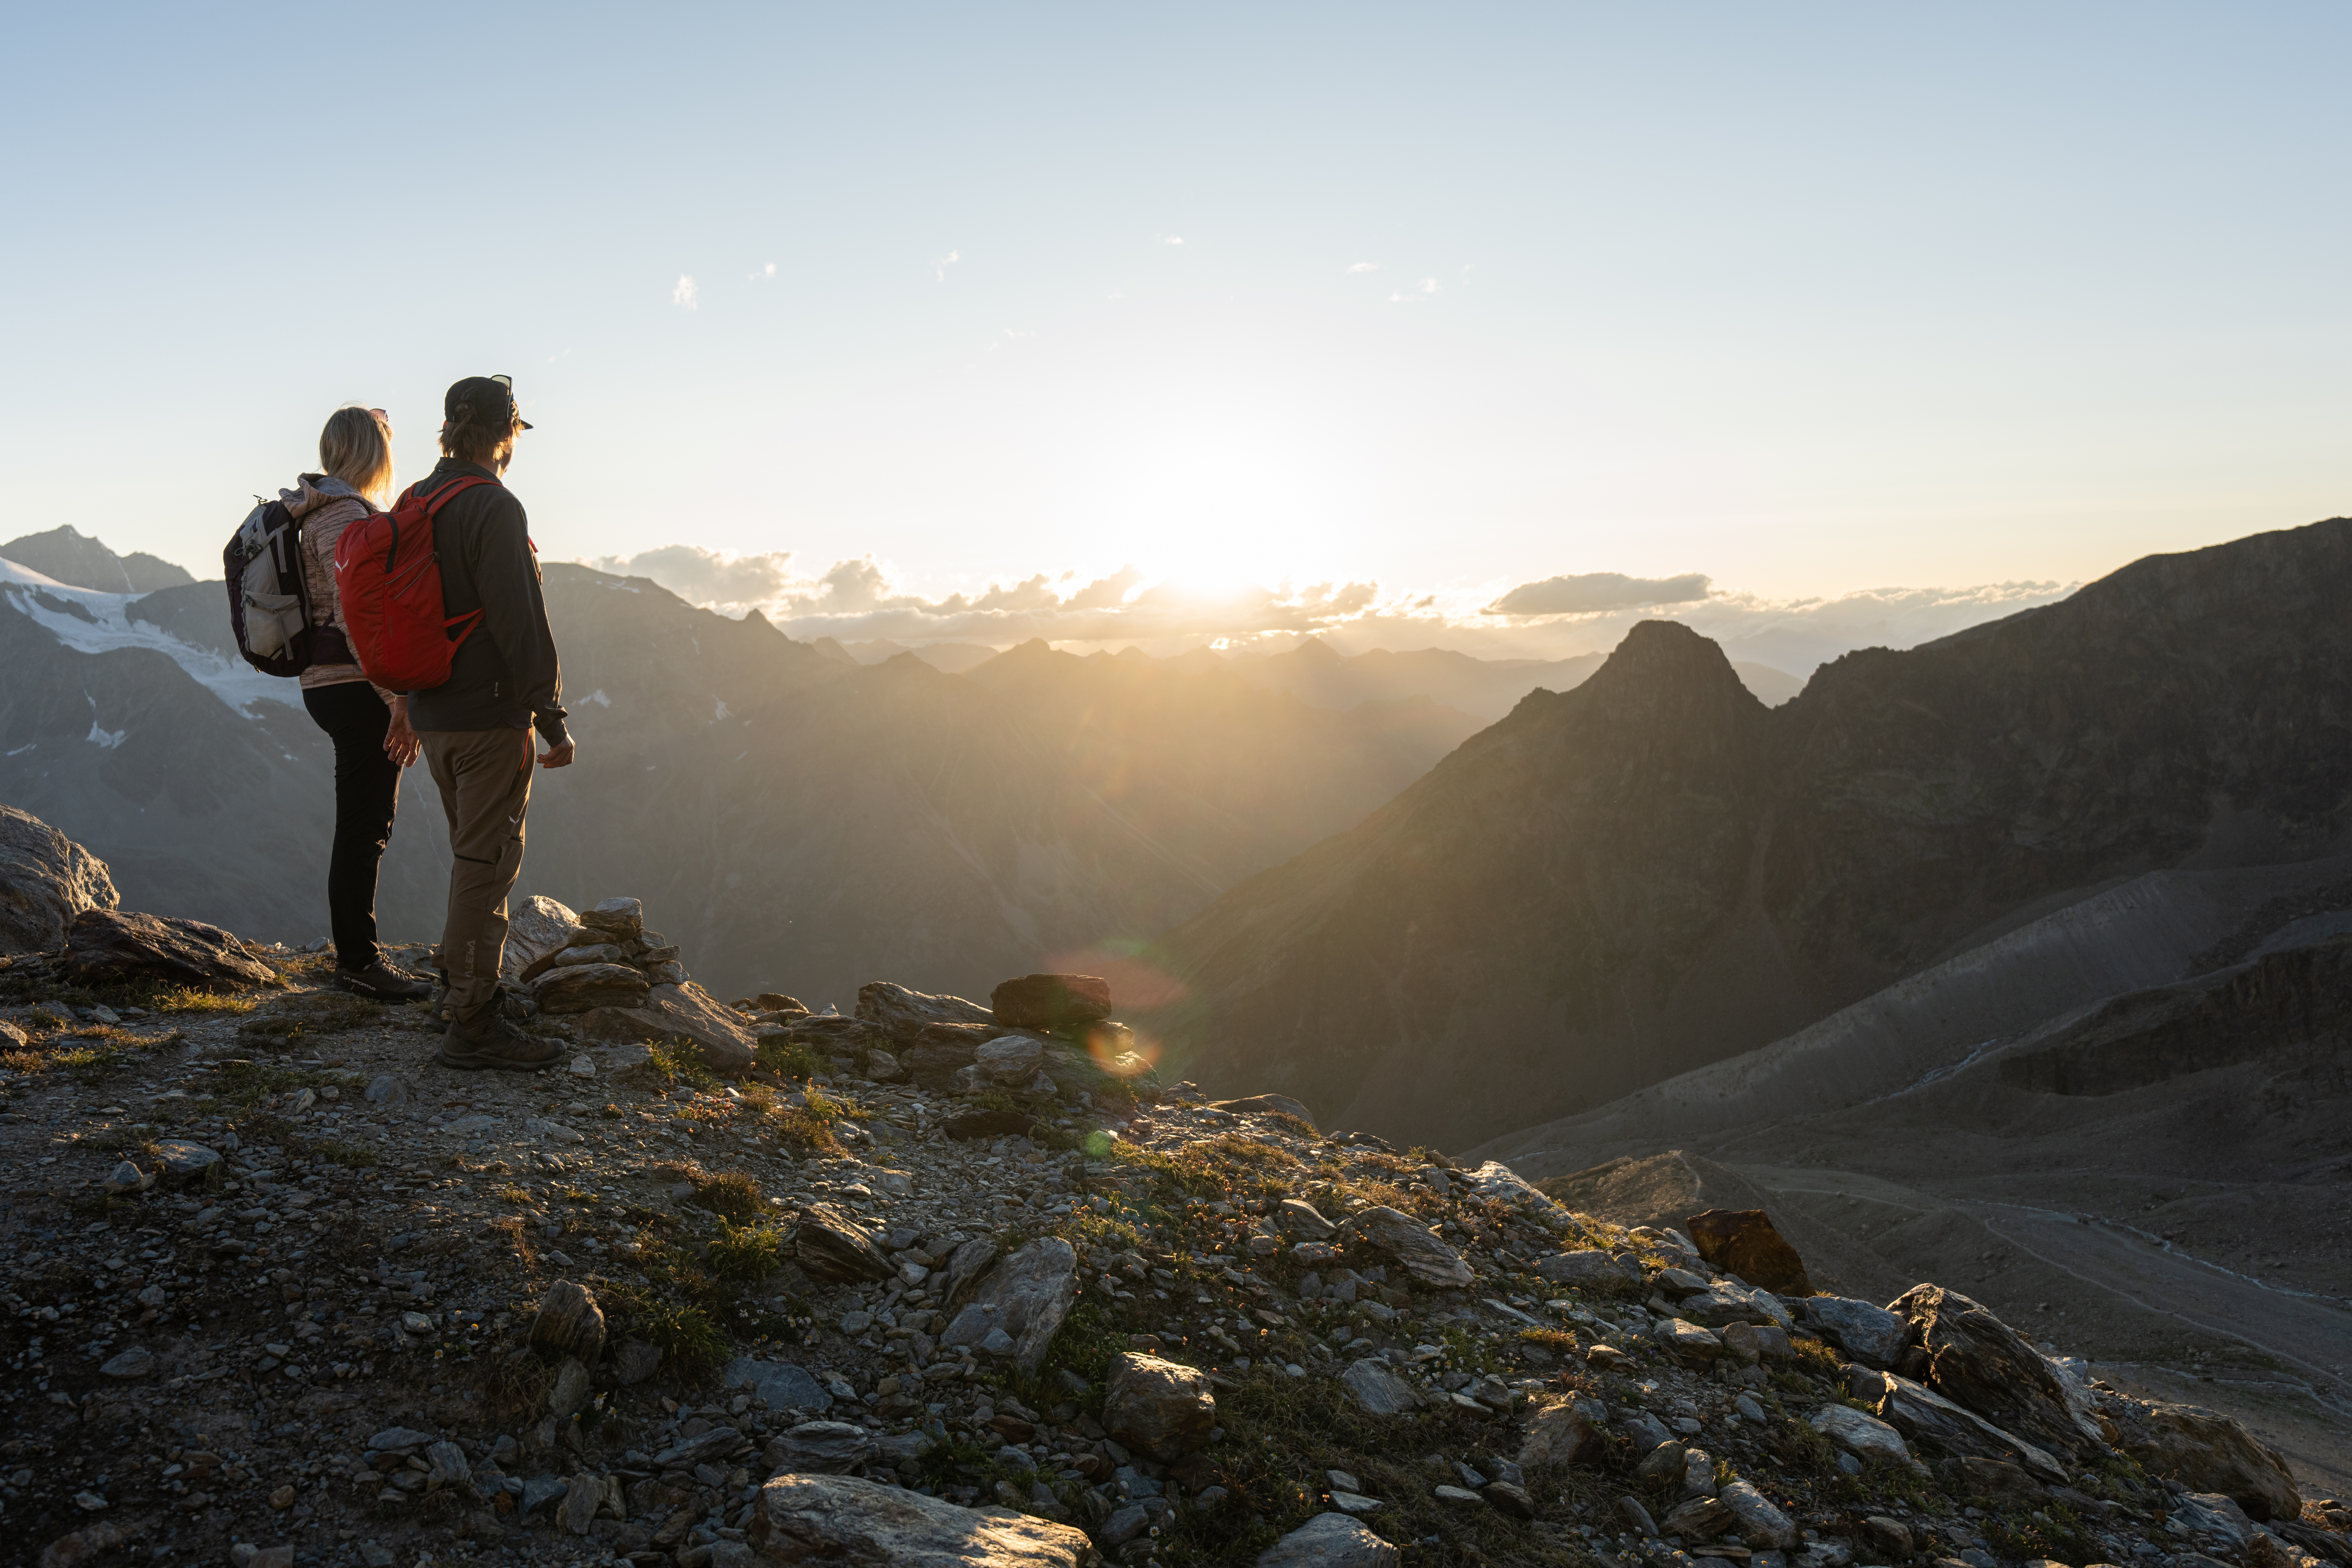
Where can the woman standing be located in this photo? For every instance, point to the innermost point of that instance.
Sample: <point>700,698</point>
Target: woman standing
<point>369,727</point>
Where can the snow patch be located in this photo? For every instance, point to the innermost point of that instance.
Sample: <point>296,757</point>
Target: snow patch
<point>105,740</point>
<point>109,626</point>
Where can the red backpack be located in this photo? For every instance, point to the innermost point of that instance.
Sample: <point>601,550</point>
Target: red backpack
<point>388,578</point>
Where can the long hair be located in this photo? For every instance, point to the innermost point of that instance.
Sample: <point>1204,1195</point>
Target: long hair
<point>356,447</point>
<point>473,435</point>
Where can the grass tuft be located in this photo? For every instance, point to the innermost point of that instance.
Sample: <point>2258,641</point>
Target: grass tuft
<point>734,1194</point>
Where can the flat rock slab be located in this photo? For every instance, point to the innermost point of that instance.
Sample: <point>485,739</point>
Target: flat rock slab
<point>1924,1415</point>
<point>1330,1541</point>
<point>1378,1390</point>
<point>1581,1269</point>
<point>683,1009</point>
<point>1260,1104</point>
<point>846,1520</point>
<point>1744,1242</point>
<point>1975,1359</point>
<point>102,944</point>
<point>1864,1436</point>
<point>1029,1294</point>
<point>783,1386</point>
<point>904,1012</point>
<point>832,1245</point>
<point>819,1447</point>
<point>580,987</point>
<point>1407,1242</point>
<point>181,1158</point>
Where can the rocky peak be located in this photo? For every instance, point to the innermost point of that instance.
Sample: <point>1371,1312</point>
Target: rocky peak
<point>66,555</point>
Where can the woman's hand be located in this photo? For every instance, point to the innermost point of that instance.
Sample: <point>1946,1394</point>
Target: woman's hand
<point>401,742</point>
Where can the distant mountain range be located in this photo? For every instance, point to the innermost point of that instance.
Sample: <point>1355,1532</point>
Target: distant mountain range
<point>807,822</point>
<point>1322,676</point>
<point>1655,871</point>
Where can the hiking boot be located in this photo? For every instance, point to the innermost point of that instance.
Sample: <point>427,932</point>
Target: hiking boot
<point>382,982</point>
<point>487,1040</point>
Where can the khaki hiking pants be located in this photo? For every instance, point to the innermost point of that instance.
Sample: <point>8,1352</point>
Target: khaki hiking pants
<point>485,781</point>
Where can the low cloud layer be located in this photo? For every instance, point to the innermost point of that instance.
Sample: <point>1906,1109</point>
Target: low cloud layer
<point>1589,593</point>
<point>858,601</point>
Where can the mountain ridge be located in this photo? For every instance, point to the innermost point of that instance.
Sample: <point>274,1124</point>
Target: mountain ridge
<point>1597,922</point>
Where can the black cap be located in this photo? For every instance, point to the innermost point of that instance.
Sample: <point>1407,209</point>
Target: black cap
<point>482,393</point>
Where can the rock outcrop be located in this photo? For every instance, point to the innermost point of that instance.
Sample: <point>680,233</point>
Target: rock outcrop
<point>46,880</point>
<point>114,945</point>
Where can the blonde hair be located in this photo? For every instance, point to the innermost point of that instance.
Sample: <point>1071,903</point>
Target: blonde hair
<point>356,447</point>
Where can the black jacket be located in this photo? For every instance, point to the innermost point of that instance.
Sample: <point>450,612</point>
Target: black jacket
<point>505,674</point>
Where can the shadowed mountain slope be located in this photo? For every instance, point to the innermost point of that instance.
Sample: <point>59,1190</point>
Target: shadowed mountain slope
<point>1653,871</point>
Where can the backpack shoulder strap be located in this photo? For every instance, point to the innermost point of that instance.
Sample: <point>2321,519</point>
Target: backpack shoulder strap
<point>451,491</point>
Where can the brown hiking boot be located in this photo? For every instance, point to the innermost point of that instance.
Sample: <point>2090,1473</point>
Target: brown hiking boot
<point>487,1040</point>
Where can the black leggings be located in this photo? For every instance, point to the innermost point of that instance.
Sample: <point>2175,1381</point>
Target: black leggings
<point>367,792</point>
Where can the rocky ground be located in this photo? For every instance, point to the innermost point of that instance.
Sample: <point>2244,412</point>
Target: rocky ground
<point>940,1282</point>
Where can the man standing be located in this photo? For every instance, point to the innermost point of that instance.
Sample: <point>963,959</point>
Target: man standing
<point>477,727</point>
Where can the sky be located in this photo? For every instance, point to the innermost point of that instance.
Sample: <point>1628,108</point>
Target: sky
<point>1373,318</point>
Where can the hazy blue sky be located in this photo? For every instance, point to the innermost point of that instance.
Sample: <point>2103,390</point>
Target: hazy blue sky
<point>1805,298</point>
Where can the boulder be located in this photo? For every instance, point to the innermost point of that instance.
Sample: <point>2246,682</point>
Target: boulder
<point>578,987</point>
<point>783,1386</point>
<point>1975,1359</point>
<point>1924,1415</point>
<point>1761,1524</point>
<point>2209,1452</point>
<point>569,1324</point>
<point>1028,1294</point>
<point>1581,1269</point>
<point>1560,1433</point>
<point>1698,1519</point>
<point>903,1013</point>
<point>1871,1335</point>
<point>108,944</point>
<point>1161,1407</point>
<point>938,1051</point>
<point>1744,1242</point>
<point>46,880</point>
<point>1407,1242</point>
<point>682,1010</point>
<point>819,1447</point>
<point>1724,1303</point>
<point>1260,1104</point>
<point>536,929</point>
<point>1864,1436</point>
<point>1050,1001</point>
<point>1378,1390</point>
<point>1296,1216</point>
<point>833,1247</point>
<point>1686,1342</point>
<point>855,1523</point>
<point>618,919</point>
<point>1330,1541</point>
<point>1010,1060</point>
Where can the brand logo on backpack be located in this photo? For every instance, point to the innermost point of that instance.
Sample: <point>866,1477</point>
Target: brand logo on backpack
<point>388,578</point>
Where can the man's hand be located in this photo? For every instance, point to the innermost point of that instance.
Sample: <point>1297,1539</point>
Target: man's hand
<point>556,756</point>
<point>401,742</point>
